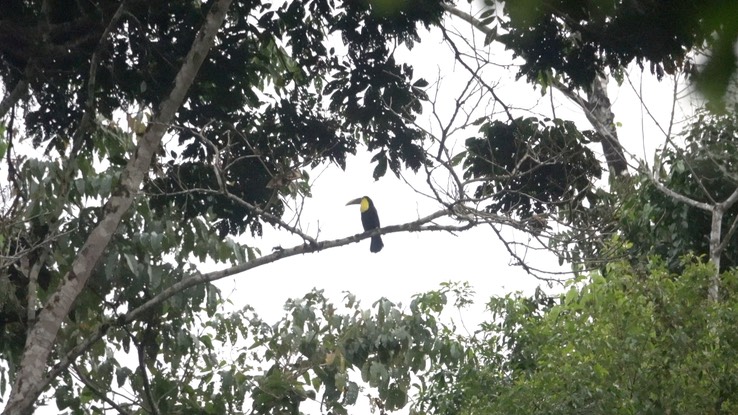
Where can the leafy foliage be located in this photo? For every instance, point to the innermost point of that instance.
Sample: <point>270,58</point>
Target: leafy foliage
<point>530,167</point>
<point>271,99</point>
<point>319,353</point>
<point>702,170</point>
<point>254,99</point>
<point>578,41</point>
<point>635,342</point>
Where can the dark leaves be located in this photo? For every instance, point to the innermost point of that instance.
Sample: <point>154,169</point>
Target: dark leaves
<point>578,41</point>
<point>528,167</point>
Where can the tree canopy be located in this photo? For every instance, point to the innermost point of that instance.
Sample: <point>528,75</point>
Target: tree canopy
<point>578,41</point>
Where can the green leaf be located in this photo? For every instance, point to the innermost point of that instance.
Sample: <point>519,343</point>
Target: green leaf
<point>155,274</point>
<point>207,341</point>
<point>351,394</point>
<point>378,374</point>
<point>121,375</point>
<point>3,143</point>
<point>491,36</point>
<point>457,159</point>
<point>132,263</point>
<point>381,167</point>
<point>212,301</point>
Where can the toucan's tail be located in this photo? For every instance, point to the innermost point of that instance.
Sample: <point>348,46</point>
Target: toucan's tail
<point>377,244</point>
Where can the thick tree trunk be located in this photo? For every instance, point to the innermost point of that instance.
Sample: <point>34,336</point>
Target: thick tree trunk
<point>29,381</point>
<point>716,252</point>
<point>597,108</point>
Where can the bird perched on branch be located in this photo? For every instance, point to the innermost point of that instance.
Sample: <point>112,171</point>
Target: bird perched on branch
<point>369,219</point>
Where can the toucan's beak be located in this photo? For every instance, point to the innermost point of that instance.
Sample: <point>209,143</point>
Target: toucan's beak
<point>354,202</point>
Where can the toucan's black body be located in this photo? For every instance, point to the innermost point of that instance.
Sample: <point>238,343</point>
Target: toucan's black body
<point>370,220</point>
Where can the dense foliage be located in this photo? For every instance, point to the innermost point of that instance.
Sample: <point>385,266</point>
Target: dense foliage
<point>577,41</point>
<point>255,95</point>
<point>639,341</point>
<point>530,167</point>
<point>321,354</point>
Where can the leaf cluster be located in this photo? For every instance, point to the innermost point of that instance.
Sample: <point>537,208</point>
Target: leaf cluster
<point>529,166</point>
<point>645,341</point>
<point>703,169</point>
<point>578,40</point>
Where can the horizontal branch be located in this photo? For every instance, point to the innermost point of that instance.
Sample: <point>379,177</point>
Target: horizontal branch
<point>273,219</point>
<point>421,225</point>
<point>678,196</point>
<point>415,226</point>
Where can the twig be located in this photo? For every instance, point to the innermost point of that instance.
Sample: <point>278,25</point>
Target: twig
<point>97,391</point>
<point>153,406</point>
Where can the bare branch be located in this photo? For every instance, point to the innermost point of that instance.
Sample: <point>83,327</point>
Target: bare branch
<point>254,209</point>
<point>415,226</point>
<point>479,79</point>
<point>677,196</point>
<point>596,107</point>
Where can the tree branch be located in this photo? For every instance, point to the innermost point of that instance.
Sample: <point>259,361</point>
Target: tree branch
<point>421,225</point>
<point>415,226</point>
<point>153,406</point>
<point>479,79</point>
<point>29,381</point>
<point>95,390</point>
<point>19,91</point>
<point>274,220</point>
<point>677,196</point>
<point>596,107</point>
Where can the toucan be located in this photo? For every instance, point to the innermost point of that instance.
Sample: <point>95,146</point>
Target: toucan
<point>369,219</point>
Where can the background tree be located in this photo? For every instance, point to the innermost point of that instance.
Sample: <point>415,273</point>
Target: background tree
<point>641,340</point>
<point>588,351</point>
<point>687,203</point>
<point>574,51</point>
